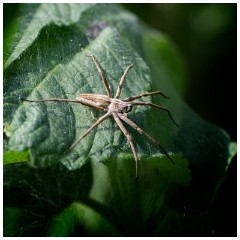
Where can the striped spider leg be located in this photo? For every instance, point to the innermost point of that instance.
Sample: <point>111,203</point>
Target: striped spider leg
<point>116,108</point>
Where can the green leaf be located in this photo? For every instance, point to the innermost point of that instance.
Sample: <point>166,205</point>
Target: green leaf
<point>81,216</point>
<point>15,157</point>
<point>98,176</point>
<point>48,129</point>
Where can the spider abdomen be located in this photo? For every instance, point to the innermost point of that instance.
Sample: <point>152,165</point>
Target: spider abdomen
<point>97,101</point>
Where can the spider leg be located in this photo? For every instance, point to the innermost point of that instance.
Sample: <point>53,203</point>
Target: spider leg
<point>129,138</point>
<point>119,89</point>
<point>156,106</point>
<point>145,94</point>
<point>90,129</point>
<point>52,100</point>
<point>67,100</point>
<point>136,127</point>
<point>101,74</point>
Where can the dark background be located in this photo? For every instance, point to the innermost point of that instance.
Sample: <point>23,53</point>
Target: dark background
<point>206,36</point>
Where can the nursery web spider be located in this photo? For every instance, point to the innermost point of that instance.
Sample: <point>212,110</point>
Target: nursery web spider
<point>114,107</point>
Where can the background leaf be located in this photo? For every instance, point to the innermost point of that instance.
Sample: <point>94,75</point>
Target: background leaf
<point>93,186</point>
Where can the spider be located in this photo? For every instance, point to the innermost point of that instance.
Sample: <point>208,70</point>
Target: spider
<point>116,108</point>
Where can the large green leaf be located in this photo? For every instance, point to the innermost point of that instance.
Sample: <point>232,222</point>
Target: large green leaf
<point>49,129</point>
<point>97,177</point>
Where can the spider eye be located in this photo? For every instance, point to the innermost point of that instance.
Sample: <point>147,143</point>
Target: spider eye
<point>128,109</point>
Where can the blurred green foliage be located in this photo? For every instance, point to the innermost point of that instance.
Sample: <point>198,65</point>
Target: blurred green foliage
<point>206,35</point>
